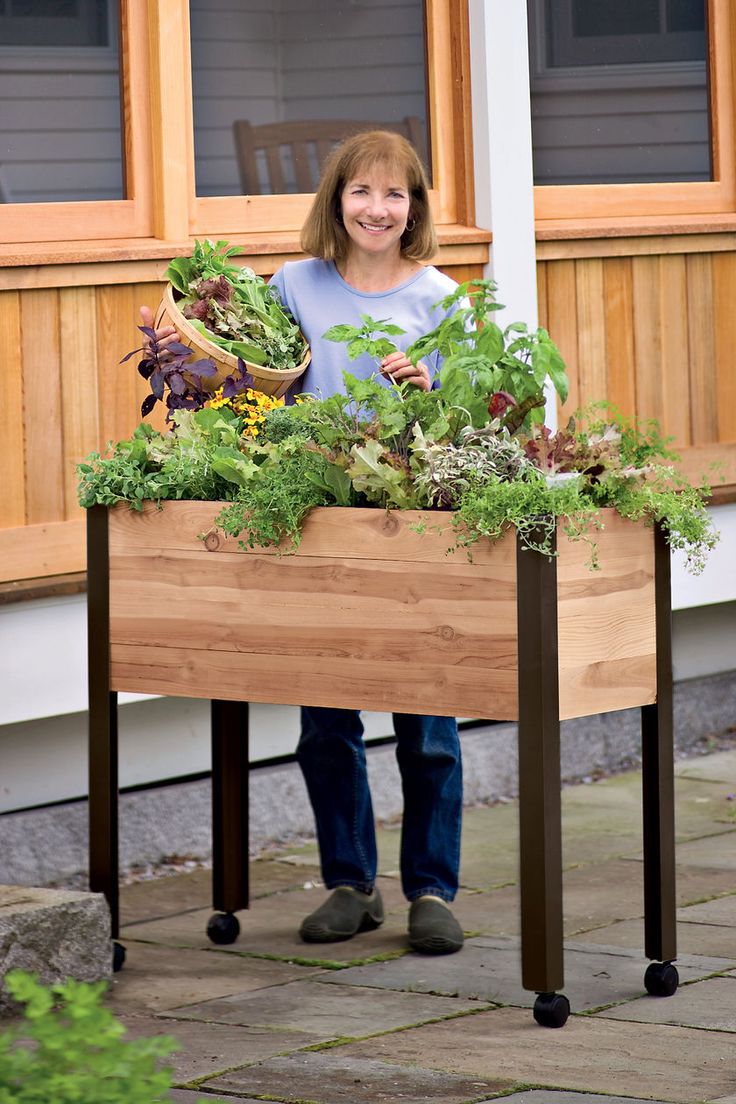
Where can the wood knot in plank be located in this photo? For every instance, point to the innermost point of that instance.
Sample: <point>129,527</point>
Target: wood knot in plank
<point>212,540</point>
<point>390,525</point>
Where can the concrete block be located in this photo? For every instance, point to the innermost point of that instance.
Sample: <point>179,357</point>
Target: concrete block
<point>56,934</point>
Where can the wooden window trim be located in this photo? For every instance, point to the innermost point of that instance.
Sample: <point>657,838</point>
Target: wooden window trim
<point>598,209</point>
<point>448,75</point>
<point>131,260</point>
<point>163,213</point>
<point>122,218</point>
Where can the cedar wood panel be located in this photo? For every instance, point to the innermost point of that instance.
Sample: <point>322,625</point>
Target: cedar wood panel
<point>370,613</point>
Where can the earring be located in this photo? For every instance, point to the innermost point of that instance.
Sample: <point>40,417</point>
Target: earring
<point>413,224</point>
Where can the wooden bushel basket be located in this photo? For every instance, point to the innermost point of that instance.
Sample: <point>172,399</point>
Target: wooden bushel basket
<point>270,381</point>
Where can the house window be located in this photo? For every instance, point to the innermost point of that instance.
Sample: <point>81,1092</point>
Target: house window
<point>54,23</point>
<point>619,91</point>
<point>60,130</point>
<point>276,85</point>
<point>598,32</point>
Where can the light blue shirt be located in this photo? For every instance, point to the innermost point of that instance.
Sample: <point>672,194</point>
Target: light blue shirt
<point>318,297</point>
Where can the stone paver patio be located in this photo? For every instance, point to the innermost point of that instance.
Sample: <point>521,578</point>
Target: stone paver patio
<point>367,1021</point>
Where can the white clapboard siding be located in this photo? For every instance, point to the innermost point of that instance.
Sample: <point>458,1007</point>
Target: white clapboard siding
<point>235,75</point>
<point>398,49</point>
<point>60,125</point>
<point>649,123</point>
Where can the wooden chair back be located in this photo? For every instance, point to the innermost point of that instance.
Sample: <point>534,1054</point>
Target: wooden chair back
<point>294,152</point>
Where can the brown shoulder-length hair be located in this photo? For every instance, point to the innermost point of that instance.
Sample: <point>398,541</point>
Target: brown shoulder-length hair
<point>323,234</point>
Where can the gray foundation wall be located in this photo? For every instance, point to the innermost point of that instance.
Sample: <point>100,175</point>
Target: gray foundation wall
<point>49,846</point>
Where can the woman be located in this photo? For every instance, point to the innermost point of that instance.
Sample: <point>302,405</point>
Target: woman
<point>369,227</point>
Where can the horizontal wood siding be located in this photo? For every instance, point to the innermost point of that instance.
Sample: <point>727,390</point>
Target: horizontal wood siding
<point>235,75</point>
<point>355,70</point>
<point>593,131</point>
<point>656,335</point>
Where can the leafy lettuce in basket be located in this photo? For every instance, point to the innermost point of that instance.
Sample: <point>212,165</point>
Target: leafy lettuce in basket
<point>235,308</point>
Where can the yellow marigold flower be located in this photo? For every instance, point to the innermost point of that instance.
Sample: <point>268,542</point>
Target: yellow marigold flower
<point>250,405</point>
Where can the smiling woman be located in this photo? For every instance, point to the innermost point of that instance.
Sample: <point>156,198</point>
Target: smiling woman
<point>368,229</point>
<point>376,210</point>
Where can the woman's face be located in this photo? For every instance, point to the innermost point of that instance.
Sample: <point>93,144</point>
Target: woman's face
<point>375,207</point>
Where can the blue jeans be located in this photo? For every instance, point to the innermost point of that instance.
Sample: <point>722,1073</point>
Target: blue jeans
<point>331,755</point>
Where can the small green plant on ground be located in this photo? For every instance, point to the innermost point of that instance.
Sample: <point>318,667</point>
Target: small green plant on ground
<point>69,1049</point>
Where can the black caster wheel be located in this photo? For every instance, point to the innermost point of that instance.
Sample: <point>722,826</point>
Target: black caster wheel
<point>551,1009</point>
<point>118,956</point>
<point>223,928</point>
<point>661,979</point>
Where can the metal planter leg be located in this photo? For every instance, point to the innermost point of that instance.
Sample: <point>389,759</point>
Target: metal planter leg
<point>539,787</point>
<point>103,729</point>
<point>230,889</point>
<point>658,797</point>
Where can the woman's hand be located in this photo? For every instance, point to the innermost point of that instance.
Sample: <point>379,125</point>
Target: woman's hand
<point>399,367</point>
<point>165,335</point>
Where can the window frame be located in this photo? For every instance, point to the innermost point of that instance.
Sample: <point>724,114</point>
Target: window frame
<point>446,21</point>
<point>102,219</point>
<point>43,20</point>
<point>647,42</point>
<point>577,204</point>
<point>158,153</point>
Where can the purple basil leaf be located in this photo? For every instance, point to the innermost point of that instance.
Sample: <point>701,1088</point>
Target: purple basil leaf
<point>179,349</point>
<point>129,355</point>
<point>157,383</point>
<point>245,375</point>
<point>202,368</point>
<point>218,289</point>
<point>147,405</point>
<point>177,383</point>
<point>146,368</point>
<point>171,364</point>
<point>148,332</point>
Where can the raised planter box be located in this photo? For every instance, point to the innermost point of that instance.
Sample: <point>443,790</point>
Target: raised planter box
<point>370,614</point>
<point>376,611</point>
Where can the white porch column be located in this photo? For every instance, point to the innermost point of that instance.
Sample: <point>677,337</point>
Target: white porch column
<point>502,149</point>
